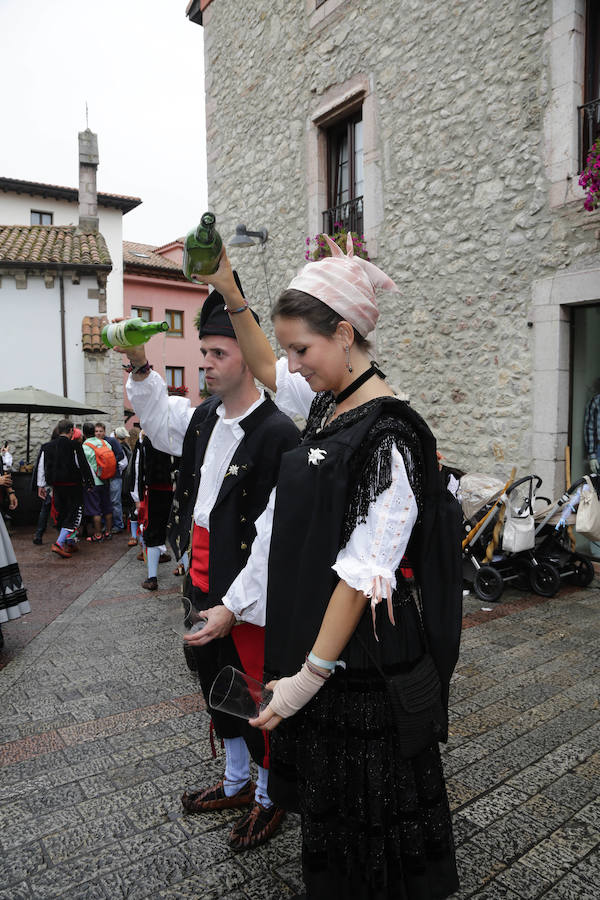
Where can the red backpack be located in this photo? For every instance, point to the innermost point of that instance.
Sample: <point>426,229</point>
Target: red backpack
<point>106,461</point>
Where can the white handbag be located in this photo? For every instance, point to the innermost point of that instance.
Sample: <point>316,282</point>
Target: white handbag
<point>587,522</point>
<point>519,529</point>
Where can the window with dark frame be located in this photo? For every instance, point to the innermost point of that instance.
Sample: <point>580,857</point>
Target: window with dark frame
<point>174,376</point>
<point>345,179</point>
<point>175,319</point>
<point>589,113</point>
<point>142,312</point>
<point>38,217</point>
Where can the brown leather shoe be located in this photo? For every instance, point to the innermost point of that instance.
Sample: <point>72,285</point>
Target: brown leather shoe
<point>140,556</point>
<point>56,548</point>
<point>150,584</point>
<point>131,542</point>
<point>256,826</point>
<point>214,798</point>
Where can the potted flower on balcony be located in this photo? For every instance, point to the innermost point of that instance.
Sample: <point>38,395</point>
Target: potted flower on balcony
<point>589,179</point>
<point>340,234</point>
<point>180,391</point>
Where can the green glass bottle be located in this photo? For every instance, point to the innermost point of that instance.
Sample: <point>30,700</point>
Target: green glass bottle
<point>202,248</point>
<point>131,332</point>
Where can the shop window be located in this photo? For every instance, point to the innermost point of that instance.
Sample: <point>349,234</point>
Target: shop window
<point>37,217</point>
<point>142,312</point>
<point>585,401</point>
<point>175,320</point>
<point>345,176</point>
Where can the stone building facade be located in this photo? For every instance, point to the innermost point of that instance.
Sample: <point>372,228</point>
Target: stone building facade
<point>470,154</point>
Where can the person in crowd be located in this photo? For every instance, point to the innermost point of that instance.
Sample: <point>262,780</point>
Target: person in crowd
<point>8,497</point>
<point>62,465</point>
<point>44,514</point>
<point>116,482</point>
<point>155,473</point>
<point>230,447</point>
<point>330,548</point>
<point>129,480</point>
<point>97,503</point>
<point>13,596</point>
<point>7,458</point>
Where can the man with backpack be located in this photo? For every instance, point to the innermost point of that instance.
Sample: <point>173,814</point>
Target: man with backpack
<point>103,463</point>
<point>116,482</point>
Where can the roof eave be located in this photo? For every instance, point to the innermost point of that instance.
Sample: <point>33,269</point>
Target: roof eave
<point>85,268</point>
<point>35,189</point>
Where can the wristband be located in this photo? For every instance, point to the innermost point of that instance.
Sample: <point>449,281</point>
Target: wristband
<point>325,663</point>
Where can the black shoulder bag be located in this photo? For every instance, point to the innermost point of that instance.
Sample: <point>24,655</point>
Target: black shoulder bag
<point>416,703</point>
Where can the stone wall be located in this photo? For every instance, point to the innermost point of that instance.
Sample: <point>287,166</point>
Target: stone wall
<point>104,390</point>
<point>460,92</point>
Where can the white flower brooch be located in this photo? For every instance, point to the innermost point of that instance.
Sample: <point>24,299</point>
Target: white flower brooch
<point>315,456</point>
<point>232,470</point>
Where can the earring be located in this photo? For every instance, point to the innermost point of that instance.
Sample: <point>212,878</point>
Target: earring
<point>348,365</point>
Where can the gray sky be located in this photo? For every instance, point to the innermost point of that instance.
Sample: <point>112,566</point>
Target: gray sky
<point>139,65</point>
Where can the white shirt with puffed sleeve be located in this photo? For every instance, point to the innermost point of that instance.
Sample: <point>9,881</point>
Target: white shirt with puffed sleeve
<point>369,560</point>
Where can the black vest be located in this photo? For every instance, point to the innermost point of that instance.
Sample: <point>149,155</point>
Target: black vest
<point>268,434</point>
<point>61,459</point>
<point>325,487</point>
<point>155,467</point>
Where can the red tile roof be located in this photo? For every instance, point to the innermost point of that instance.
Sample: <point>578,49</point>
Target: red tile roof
<point>59,192</point>
<point>91,326</point>
<point>51,245</point>
<point>144,256</point>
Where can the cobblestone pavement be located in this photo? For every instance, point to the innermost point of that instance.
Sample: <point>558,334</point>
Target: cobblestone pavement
<point>101,727</point>
<point>53,583</point>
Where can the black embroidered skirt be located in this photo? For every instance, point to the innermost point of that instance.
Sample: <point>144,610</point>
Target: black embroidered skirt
<point>375,826</point>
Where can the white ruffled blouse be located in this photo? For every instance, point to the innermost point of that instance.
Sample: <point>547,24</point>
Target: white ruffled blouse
<point>370,558</point>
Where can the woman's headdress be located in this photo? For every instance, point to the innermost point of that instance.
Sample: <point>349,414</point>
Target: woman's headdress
<point>346,283</point>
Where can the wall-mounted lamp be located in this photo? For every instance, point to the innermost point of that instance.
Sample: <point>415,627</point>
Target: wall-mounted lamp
<point>243,237</point>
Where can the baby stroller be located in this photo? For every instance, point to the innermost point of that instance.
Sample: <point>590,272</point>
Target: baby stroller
<point>498,548</point>
<point>554,529</point>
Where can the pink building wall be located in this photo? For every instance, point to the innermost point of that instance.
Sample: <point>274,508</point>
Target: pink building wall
<point>161,294</point>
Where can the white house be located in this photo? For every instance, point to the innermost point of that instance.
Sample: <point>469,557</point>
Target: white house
<point>61,268</point>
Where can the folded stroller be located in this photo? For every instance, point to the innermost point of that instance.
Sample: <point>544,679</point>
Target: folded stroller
<point>555,543</point>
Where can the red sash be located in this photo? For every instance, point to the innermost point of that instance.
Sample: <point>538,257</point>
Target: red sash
<point>199,562</point>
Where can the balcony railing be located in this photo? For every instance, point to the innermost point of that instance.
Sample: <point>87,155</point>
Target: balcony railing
<point>589,128</point>
<point>349,214</point>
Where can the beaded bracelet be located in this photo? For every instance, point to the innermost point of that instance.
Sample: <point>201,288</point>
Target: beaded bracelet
<point>139,370</point>
<point>234,312</point>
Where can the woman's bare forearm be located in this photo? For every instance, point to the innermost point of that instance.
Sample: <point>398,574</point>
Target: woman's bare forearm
<point>343,614</point>
<point>256,349</point>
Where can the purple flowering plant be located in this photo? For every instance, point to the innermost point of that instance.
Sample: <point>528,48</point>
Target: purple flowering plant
<point>589,179</point>
<point>340,233</point>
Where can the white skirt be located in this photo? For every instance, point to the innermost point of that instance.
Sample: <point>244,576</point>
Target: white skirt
<point>13,596</point>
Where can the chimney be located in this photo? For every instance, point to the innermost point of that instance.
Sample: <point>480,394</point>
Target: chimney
<point>88,195</point>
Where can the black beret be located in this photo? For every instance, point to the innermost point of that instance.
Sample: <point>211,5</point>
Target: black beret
<point>214,318</point>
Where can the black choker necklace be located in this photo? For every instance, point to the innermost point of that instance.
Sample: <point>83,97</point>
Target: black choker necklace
<point>354,385</point>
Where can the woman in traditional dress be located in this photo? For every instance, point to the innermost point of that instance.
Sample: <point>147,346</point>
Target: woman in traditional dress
<point>334,535</point>
<point>13,596</point>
